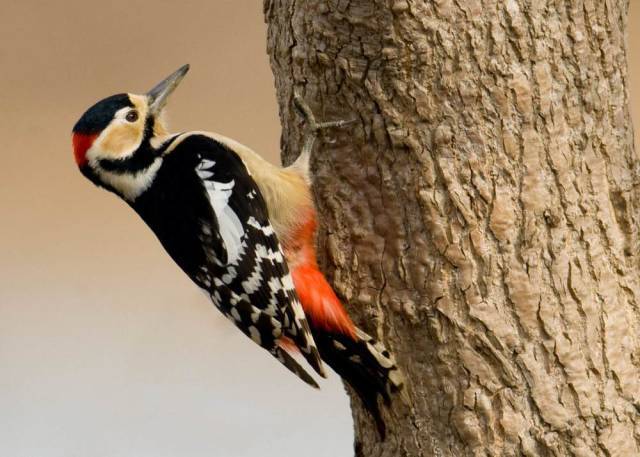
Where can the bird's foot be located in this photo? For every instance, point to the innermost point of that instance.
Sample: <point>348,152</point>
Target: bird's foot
<point>314,127</point>
<point>310,118</point>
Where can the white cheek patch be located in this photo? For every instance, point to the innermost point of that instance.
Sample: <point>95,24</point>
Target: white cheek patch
<point>131,186</point>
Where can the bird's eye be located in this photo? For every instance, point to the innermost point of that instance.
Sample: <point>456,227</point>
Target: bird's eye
<point>132,116</point>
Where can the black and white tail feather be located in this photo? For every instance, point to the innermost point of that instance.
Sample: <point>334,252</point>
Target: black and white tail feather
<point>367,366</point>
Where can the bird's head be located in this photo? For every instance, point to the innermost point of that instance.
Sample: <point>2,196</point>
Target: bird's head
<point>116,135</point>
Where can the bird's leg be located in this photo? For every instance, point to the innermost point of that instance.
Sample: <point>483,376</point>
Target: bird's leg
<point>313,126</point>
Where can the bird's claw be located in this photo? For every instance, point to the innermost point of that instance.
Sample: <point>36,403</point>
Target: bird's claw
<point>313,125</point>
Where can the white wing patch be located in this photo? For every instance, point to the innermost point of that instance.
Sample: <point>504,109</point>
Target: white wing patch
<point>219,193</point>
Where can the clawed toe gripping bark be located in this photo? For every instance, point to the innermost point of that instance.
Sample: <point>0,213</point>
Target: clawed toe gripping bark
<point>313,126</point>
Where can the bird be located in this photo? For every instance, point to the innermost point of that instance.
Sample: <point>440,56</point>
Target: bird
<point>243,230</point>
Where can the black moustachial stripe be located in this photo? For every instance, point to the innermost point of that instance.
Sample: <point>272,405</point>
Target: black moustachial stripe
<point>143,156</point>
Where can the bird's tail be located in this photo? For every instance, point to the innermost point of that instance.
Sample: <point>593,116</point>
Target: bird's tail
<point>366,365</point>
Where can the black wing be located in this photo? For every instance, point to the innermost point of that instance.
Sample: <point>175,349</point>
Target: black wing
<point>227,245</point>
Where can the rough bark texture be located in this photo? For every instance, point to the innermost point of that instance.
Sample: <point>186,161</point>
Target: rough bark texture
<point>482,215</point>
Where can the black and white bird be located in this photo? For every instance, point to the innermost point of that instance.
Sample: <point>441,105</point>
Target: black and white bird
<point>240,227</point>
<point>197,196</point>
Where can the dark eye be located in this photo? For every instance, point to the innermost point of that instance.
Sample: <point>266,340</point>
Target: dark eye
<point>132,116</point>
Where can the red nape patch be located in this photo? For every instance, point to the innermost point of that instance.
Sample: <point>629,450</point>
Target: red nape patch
<point>81,143</point>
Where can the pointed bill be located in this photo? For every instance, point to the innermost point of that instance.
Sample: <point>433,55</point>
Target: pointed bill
<point>160,93</point>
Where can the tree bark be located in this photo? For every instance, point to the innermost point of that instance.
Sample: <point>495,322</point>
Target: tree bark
<point>482,216</point>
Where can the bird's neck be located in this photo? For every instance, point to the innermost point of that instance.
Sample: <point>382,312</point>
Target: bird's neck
<point>131,176</point>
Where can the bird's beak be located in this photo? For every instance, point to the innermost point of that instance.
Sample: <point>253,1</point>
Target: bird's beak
<point>159,94</point>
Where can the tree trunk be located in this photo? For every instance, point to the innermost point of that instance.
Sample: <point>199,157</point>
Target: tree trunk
<point>482,215</point>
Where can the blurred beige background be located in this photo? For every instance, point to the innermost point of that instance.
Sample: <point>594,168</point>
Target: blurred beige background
<point>106,348</point>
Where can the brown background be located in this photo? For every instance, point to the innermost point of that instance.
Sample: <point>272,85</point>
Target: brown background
<point>106,348</point>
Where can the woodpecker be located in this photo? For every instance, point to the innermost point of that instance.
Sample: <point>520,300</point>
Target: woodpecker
<point>240,227</point>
